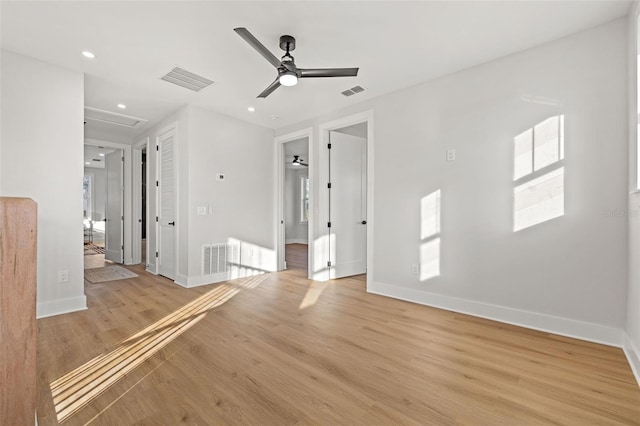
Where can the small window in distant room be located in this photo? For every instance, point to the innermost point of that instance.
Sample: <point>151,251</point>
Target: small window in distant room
<point>87,189</point>
<point>304,199</point>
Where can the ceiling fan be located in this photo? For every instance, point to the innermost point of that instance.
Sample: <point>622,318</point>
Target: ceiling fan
<point>288,72</point>
<point>297,161</point>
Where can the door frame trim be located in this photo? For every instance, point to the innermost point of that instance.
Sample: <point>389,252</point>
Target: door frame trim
<point>144,143</point>
<point>323,139</point>
<point>279,228</point>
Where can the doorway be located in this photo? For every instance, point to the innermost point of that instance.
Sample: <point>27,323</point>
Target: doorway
<point>344,236</point>
<point>296,203</point>
<point>95,204</point>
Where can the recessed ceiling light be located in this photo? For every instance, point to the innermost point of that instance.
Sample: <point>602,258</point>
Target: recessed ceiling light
<point>274,117</point>
<point>122,106</point>
<point>251,109</point>
<point>87,163</point>
<point>88,54</point>
<point>101,155</point>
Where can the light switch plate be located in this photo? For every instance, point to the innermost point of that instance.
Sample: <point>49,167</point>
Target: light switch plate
<point>451,155</point>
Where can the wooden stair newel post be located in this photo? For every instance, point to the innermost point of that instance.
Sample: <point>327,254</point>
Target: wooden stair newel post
<point>18,228</point>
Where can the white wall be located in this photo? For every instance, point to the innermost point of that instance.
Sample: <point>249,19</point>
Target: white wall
<point>99,192</point>
<point>295,231</point>
<point>242,206</point>
<point>42,158</point>
<point>567,275</point>
<point>632,344</point>
<point>239,209</point>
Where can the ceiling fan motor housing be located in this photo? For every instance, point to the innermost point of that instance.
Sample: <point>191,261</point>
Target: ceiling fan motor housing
<point>287,43</point>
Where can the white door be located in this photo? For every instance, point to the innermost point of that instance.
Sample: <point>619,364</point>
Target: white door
<point>167,204</point>
<point>114,170</point>
<point>347,205</point>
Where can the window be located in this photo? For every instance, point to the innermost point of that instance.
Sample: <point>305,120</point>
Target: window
<point>304,199</point>
<point>87,190</point>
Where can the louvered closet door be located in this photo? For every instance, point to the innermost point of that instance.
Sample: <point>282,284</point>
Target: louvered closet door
<point>114,216</point>
<point>167,205</point>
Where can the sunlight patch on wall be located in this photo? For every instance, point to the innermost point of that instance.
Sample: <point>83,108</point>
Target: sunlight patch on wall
<point>539,200</point>
<point>538,195</point>
<point>430,211</point>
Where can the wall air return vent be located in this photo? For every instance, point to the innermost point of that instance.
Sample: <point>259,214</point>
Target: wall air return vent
<point>353,91</point>
<point>187,79</point>
<point>95,114</point>
<point>219,258</point>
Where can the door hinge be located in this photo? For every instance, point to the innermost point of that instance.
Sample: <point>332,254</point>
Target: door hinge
<point>157,183</point>
<point>329,146</point>
<point>157,147</point>
<point>329,263</point>
<point>121,247</point>
<point>156,254</point>
<point>329,185</point>
<point>156,218</point>
<point>328,224</point>
<point>121,217</point>
<point>122,159</point>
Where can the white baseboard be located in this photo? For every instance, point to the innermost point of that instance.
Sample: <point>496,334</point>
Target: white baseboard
<point>182,280</point>
<point>633,356</point>
<point>297,241</point>
<point>61,306</point>
<point>551,324</point>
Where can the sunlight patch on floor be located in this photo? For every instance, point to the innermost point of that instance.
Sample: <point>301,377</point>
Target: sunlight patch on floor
<point>76,389</point>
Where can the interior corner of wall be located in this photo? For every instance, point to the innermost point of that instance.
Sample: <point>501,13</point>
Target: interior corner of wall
<point>632,352</point>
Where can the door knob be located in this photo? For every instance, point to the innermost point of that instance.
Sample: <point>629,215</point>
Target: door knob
<point>364,222</point>
<point>171,223</point>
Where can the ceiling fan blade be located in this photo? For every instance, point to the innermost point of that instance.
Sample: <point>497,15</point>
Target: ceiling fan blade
<point>269,90</point>
<point>249,38</point>
<point>304,164</point>
<point>328,72</point>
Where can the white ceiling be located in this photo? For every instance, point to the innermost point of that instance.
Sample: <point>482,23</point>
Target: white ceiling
<point>93,157</point>
<point>395,44</point>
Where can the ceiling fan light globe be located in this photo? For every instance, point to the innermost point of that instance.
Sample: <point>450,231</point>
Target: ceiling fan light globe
<point>288,79</point>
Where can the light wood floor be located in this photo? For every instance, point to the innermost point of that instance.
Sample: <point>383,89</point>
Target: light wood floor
<point>348,358</point>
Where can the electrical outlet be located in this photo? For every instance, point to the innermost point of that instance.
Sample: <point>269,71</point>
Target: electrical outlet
<point>415,269</point>
<point>63,276</point>
<point>451,155</point>
<point>202,210</point>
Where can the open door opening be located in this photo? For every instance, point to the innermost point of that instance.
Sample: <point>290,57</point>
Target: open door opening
<point>95,205</point>
<point>296,204</point>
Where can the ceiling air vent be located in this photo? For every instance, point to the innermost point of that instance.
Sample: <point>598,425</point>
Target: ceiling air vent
<point>109,117</point>
<point>186,79</point>
<point>353,91</point>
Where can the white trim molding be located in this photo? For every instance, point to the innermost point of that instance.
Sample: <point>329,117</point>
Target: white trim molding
<point>633,356</point>
<point>582,330</point>
<point>61,306</point>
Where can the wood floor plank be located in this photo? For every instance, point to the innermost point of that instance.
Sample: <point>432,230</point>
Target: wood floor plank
<point>281,349</point>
